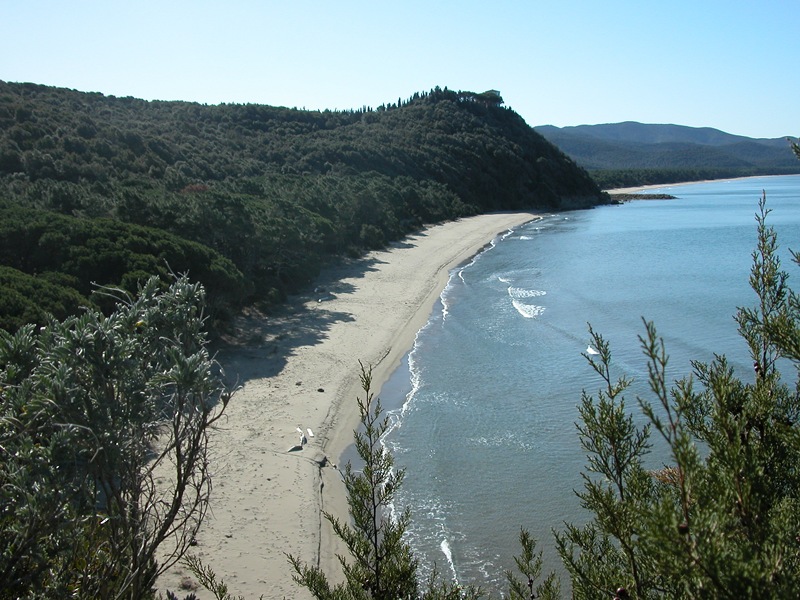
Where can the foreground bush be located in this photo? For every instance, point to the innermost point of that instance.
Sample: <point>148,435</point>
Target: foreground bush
<point>94,412</point>
<point>721,518</point>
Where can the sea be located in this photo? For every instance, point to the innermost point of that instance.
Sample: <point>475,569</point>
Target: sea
<point>483,410</point>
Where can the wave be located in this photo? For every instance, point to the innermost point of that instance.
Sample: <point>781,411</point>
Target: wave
<point>459,272</point>
<point>522,293</point>
<point>478,256</point>
<point>397,415</point>
<point>443,298</point>
<point>529,311</point>
<point>448,554</point>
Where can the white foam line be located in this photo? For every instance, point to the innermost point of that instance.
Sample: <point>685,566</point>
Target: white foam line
<point>448,554</point>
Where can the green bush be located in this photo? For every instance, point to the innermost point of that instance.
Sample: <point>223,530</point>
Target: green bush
<point>93,410</point>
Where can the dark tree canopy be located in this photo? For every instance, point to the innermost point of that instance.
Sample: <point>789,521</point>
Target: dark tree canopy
<point>273,191</point>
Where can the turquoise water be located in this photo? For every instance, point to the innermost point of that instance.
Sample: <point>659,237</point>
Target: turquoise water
<point>485,404</point>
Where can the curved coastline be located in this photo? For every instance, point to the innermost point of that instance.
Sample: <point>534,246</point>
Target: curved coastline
<point>302,371</point>
<point>664,186</point>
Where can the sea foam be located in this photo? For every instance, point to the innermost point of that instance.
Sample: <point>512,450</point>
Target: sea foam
<point>527,310</point>
<point>448,554</point>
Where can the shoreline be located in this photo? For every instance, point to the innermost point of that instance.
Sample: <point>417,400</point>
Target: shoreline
<point>659,186</point>
<point>301,369</point>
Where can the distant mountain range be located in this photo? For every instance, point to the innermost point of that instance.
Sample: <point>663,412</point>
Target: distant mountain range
<point>639,152</point>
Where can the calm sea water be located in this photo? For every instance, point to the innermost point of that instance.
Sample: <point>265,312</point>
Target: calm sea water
<point>484,408</point>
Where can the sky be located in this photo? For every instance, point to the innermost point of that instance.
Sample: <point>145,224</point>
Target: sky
<point>731,65</point>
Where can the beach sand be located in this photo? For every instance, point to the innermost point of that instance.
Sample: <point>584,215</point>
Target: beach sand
<point>665,187</point>
<point>300,368</point>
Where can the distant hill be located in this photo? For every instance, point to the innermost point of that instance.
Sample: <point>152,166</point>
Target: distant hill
<point>250,199</point>
<point>630,153</point>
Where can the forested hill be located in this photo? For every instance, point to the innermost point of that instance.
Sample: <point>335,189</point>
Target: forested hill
<point>250,199</point>
<point>630,153</point>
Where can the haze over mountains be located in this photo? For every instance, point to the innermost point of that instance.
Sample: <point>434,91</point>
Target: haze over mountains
<point>668,152</point>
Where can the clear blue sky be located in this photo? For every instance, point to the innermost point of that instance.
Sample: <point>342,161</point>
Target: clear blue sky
<point>731,64</point>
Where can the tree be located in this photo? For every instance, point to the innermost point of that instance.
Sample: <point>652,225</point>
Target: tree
<point>720,520</point>
<point>529,564</point>
<point>104,425</point>
<point>276,192</point>
<point>383,565</point>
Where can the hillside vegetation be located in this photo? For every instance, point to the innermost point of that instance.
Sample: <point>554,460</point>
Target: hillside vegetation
<point>630,153</point>
<point>250,199</point>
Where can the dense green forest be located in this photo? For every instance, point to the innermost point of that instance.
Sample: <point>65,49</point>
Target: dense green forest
<point>249,199</point>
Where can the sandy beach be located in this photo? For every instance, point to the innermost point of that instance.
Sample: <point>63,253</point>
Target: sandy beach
<point>667,186</point>
<point>300,369</point>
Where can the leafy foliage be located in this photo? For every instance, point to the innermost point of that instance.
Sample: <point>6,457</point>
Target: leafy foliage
<point>65,255</point>
<point>30,299</point>
<point>276,191</point>
<point>529,565</point>
<point>95,410</point>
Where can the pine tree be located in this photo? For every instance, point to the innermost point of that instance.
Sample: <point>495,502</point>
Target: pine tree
<point>721,519</point>
<point>381,565</point>
<point>529,565</point>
